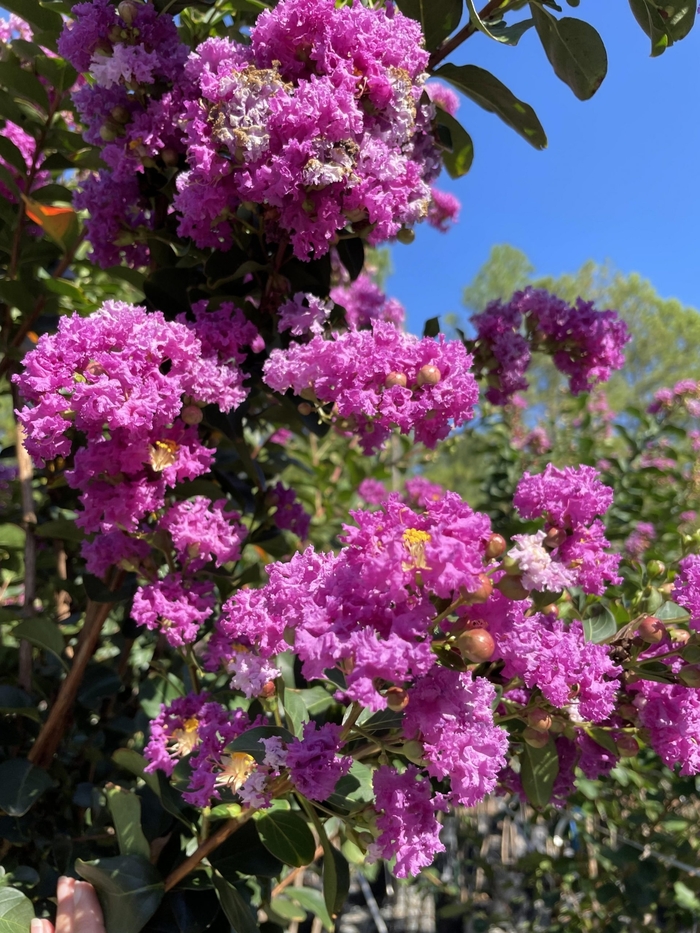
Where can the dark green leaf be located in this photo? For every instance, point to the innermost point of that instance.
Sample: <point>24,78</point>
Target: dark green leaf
<point>539,768</point>
<point>52,193</point>
<point>600,624</point>
<point>16,295</point>
<point>437,17</point>
<point>99,592</point>
<point>131,761</point>
<point>21,785</point>
<point>62,529</point>
<point>287,836</point>
<point>657,671</point>
<point>23,84</point>
<point>431,327</point>
<point>43,633</point>
<point>352,255</point>
<point>488,92</point>
<point>654,25</point>
<point>16,911</point>
<point>129,888</point>
<point>511,34</point>
<point>604,739</point>
<point>249,742</point>
<point>458,153</point>
<point>336,872</point>
<point>34,13</point>
<point>125,808</point>
<point>10,153</point>
<point>244,853</point>
<point>574,49</point>
<point>238,913</point>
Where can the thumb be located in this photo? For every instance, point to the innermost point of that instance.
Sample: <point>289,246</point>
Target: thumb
<point>87,912</point>
<point>41,926</point>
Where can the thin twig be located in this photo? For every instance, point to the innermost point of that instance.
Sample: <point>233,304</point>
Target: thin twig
<point>288,879</point>
<point>48,740</point>
<point>449,45</point>
<point>207,847</point>
<point>25,474</point>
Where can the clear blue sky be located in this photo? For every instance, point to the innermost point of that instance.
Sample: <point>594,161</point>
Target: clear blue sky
<point>619,180</point>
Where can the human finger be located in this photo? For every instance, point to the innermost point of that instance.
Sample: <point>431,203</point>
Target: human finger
<point>87,910</point>
<point>41,926</point>
<point>65,896</point>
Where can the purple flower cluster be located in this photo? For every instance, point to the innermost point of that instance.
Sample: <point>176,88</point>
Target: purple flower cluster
<point>671,714</point>
<point>686,588</point>
<point>26,145</point>
<point>585,344</point>
<point>131,107</point>
<point>321,122</point>
<point>685,393</point>
<point>571,550</point>
<point>640,539</point>
<point>381,379</point>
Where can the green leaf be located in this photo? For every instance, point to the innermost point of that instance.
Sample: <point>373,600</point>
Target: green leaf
<point>296,711</point>
<point>603,739</point>
<point>16,295</point>
<point>312,900</point>
<point>63,529</point>
<point>249,741</point>
<point>129,888</point>
<point>600,624</point>
<point>686,897</point>
<point>351,252</point>
<point>287,909</point>
<point>438,18</point>
<point>431,327</point>
<point>510,35</point>
<point>574,49</point>
<point>44,634</point>
<point>34,13</point>
<point>539,768</point>
<point>671,612</point>
<point>99,592</point>
<point>10,153</point>
<point>458,155</point>
<point>21,785</point>
<point>488,92</point>
<point>649,18</point>
<point>336,872</point>
<point>12,537</point>
<point>287,836</point>
<point>479,23</point>
<point>16,911</point>
<point>125,808</point>
<point>130,760</point>
<point>23,84</point>
<point>238,913</point>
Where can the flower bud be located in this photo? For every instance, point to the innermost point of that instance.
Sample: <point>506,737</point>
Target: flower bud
<point>539,719</point>
<point>552,610</point>
<point>304,408</point>
<point>535,738</point>
<point>628,711</point>
<point>651,630</point>
<point>555,537</point>
<point>476,644</point>
<point>120,114</point>
<point>108,132</point>
<point>405,236</point>
<point>428,375</point>
<point>627,746</point>
<point>679,636</point>
<point>495,547</point>
<point>397,699</point>
<point>128,10</point>
<point>396,379</point>
<point>481,594</point>
<point>512,588</point>
<point>414,751</point>
<point>656,568</point>
<point>690,676</point>
<point>268,690</point>
<point>191,414</point>
<point>170,157</point>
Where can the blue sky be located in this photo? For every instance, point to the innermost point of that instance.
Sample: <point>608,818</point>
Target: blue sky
<point>619,180</point>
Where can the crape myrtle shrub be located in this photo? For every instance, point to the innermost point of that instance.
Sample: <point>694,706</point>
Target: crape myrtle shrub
<point>228,651</point>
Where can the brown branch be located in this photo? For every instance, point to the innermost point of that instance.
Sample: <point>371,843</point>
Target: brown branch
<point>288,879</point>
<point>449,45</point>
<point>208,846</point>
<point>48,740</point>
